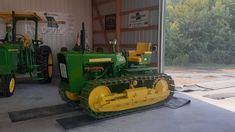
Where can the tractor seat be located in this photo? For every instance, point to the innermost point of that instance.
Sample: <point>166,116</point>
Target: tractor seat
<point>142,54</point>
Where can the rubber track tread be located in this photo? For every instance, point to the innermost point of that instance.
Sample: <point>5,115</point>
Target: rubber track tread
<point>115,81</point>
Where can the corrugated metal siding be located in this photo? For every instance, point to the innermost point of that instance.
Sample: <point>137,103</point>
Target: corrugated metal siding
<point>131,37</point>
<point>136,4</point>
<point>78,11</point>
<point>134,36</point>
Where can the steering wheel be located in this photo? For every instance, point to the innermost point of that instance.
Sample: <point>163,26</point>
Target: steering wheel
<point>19,37</point>
<point>27,41</point>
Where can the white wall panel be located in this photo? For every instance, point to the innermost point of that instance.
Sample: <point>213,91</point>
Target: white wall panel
<point>78,11</point>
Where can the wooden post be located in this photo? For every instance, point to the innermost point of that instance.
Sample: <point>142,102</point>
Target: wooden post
<point>118,24</point>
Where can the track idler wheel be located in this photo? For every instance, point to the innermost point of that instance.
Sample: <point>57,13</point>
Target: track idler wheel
<point>161,86</point>
<point>96,96</point>
<point>69,97</point>
<point>139,92</point>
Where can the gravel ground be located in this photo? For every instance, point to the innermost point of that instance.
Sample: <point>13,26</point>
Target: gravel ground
<point>219,81</point>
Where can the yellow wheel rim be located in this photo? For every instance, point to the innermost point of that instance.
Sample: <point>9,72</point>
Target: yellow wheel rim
<point>12,85</point>
<point>72,96</point>
<point>161,86</point>
<point>96,95</point>
<point>50,65</point>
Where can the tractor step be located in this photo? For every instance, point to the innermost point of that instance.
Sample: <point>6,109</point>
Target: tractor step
<point>35,76</point>
<point>36,66</point>
<point>37,79</point>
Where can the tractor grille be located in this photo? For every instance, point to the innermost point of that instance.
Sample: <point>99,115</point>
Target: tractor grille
<point>3,57</point>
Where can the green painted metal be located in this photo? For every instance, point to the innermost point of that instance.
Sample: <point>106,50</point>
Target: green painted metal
<point>82,71</point>
<point>8,61</point>
<point>141,69</point>
<point>76,64</point>
<point>17,58</point>
<point>73,68</point>
<point>117,75</point>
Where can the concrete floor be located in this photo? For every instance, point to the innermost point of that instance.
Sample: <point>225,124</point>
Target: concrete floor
<point>220,80</point>
<point>196,117</point>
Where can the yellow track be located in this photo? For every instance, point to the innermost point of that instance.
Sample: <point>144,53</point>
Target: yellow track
<point>72,96</point>
<point>101,99</point>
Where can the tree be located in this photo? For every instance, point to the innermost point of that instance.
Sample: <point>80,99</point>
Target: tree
<point>199,31</point>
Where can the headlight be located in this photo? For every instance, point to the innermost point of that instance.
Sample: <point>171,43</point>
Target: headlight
<point>63,71</point>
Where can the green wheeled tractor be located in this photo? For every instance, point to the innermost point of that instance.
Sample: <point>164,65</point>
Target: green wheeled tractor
<point>110,84</point>
<point>22,54</point>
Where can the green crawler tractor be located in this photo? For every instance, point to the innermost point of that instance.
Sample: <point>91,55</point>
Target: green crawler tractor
<point>22,54</point>
<point>110,84</point>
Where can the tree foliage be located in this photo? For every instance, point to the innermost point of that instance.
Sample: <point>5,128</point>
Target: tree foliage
<point>200,31</point>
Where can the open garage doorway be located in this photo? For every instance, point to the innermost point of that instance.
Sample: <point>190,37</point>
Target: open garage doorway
<point>200,49</point>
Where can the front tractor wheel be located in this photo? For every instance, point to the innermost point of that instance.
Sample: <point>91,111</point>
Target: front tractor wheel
<point>69,97</point>
<point>7,85</point>
<point>45,61</point>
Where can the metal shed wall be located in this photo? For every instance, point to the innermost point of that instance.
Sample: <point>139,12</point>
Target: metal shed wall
<point>78,11</point>
<point>129,36</point>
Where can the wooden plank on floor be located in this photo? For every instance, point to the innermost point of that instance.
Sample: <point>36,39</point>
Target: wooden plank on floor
<point>85,120</point>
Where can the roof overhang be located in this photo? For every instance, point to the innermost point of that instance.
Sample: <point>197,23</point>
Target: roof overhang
<point>27,15</point>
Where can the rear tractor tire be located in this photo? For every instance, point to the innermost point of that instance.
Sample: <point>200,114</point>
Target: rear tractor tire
<point>7,87</point>
<point>45,62</point>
